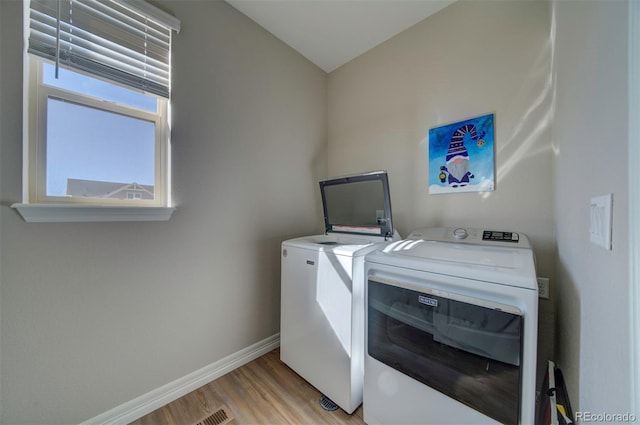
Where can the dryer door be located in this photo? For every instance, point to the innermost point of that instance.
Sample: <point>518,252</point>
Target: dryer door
<point>467,348</point>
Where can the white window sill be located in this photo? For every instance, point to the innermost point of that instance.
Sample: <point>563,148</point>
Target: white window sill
<point>60,213</point>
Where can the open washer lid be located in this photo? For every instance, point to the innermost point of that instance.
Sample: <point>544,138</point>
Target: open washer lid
<point>357,204</point>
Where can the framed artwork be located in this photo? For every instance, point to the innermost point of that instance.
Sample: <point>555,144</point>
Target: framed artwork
<point>461,156</point>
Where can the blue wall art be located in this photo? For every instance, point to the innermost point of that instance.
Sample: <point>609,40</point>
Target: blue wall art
<point>461,157</point>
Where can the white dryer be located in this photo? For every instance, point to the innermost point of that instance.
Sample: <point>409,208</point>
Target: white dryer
<point>322,287</point>
<point>451,329</point>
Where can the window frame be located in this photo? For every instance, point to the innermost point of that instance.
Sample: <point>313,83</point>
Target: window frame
<point>35,137</point>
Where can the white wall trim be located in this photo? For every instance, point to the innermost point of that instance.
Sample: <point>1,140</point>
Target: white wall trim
<point>65,213</point>
<point>147,403</point>
<point>634,201</point>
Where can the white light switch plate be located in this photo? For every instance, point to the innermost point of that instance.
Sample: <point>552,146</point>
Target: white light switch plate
<point>600,228</point>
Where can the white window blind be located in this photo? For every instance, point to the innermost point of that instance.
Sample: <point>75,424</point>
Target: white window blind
<point>126,41</point>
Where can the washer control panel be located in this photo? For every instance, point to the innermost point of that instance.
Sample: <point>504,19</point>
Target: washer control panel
<point>466,235</point>
<point>492,235</point>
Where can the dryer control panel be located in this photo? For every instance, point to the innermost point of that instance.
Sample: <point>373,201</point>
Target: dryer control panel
<point>474,236</point>
<point>492,235</point>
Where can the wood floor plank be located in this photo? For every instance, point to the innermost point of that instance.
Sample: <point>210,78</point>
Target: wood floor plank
<point>264,391</point>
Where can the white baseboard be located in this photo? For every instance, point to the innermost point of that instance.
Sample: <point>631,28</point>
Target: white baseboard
<point>147,403</point>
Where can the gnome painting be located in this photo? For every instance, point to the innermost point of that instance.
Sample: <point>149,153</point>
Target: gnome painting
<point>461,156</point>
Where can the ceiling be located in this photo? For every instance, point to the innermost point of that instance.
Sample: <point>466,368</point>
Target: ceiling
<point>332,32</point>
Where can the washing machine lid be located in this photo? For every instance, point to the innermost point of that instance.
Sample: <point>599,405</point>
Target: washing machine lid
<point>358,204</point>
<point>338,244</point>
<point>488,263</point>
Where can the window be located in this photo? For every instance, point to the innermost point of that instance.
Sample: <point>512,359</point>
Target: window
<point>97,94</point>
<point>105,144</point>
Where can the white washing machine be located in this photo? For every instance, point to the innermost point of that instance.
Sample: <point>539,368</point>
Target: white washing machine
<point>451,329</point>
<point>322,287</point>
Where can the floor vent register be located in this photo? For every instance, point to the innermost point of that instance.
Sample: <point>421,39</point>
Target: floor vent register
<point>219,417</point>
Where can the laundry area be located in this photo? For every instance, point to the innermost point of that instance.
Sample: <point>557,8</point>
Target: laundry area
<point>438,327</point>
<point>493,141</point>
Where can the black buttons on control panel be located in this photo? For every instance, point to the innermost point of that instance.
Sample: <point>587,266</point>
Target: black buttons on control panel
<point>491,235</point>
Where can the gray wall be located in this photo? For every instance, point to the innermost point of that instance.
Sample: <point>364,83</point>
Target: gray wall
<point>469,59</point>
<point>591,143</point>
<point>94,315</point>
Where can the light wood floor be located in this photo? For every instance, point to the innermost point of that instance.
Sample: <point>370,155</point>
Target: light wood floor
<point>264,391</point>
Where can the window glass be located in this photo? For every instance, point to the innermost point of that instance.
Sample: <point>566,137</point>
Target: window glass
<point>96,153</point>
<point>81,83</point>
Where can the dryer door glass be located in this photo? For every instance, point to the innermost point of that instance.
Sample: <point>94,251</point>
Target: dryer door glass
<point>466,348</point>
